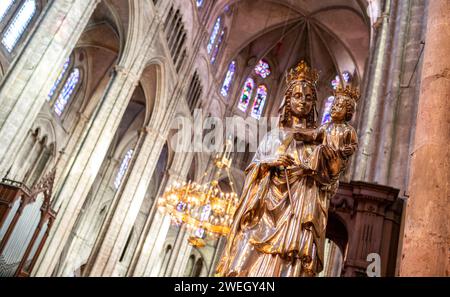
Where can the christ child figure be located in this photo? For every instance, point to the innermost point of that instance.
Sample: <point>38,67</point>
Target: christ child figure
<point>336,140</point>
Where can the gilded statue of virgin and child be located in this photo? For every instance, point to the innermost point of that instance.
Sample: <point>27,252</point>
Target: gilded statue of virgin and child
<point>280,224</point>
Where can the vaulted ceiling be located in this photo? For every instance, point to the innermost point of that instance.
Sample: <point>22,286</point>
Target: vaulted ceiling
<point>332,35</point>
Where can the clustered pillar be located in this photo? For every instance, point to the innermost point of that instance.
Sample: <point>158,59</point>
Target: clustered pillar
<point>426,241</point>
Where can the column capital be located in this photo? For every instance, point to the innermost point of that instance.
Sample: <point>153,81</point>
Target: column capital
<point>82,116</point>
<point>152,131</point>
<point>175,174</point>
<point>127,72</point>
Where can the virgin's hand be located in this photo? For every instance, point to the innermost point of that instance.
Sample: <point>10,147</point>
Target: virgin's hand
<point>282,161</point>
<point>286,160</point>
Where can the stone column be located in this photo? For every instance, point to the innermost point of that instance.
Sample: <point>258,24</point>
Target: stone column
<point>371,106</point>
<point>180,254</point>
<point>77,134</point>
<point>83,166</point>
<point>86,158</point>
<point>388,116</point>
<point>87,230</point>
<point>124,214</point>
<point>408,98</point>
<point>158,224</point>
<point>153,246</point>
<point>218,250</point>
<point>28,158</point>
<point>24,89</point>
<point>426,241</point>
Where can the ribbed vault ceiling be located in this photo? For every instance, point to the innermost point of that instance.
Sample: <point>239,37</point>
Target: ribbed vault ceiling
<point>332,35</point>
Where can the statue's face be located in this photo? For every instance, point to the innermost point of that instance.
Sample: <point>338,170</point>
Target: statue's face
<point>338,109</point>
<point>301,99</point>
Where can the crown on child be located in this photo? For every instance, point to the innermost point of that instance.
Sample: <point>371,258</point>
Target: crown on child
<point>347,92</point>
<point>302,72</point>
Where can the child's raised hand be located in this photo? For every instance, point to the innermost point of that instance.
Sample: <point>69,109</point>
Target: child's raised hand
<point>347,151</point>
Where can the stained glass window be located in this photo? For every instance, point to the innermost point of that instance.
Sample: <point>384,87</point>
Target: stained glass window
<point>19,24</point>
<point>199,3</point>
<point>246,94</point>
<point>337,81</point>
<point>260,100</point>
<point>58,81</point>
<point>263,69</point>
<point>5,5</point>
<point>217,48</point>
<point>123,168</point>
<point>214,33</point>
<point>347,76</point>
<point>327,109</point>
<point>228,79</point>
<point>67,91</point>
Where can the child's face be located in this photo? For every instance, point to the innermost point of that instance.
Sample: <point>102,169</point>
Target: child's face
<point>339,110</point>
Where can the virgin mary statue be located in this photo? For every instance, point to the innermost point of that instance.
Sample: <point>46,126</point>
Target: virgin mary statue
<point>279,225</point>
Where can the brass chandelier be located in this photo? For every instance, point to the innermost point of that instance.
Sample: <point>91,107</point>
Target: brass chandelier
<point>205,209</point>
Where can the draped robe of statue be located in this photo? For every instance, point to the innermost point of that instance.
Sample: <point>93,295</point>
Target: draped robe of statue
<point>280,224</point>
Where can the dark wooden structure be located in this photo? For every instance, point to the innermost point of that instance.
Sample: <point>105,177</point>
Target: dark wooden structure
<point>25,221</point>
<point>365,218</point>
